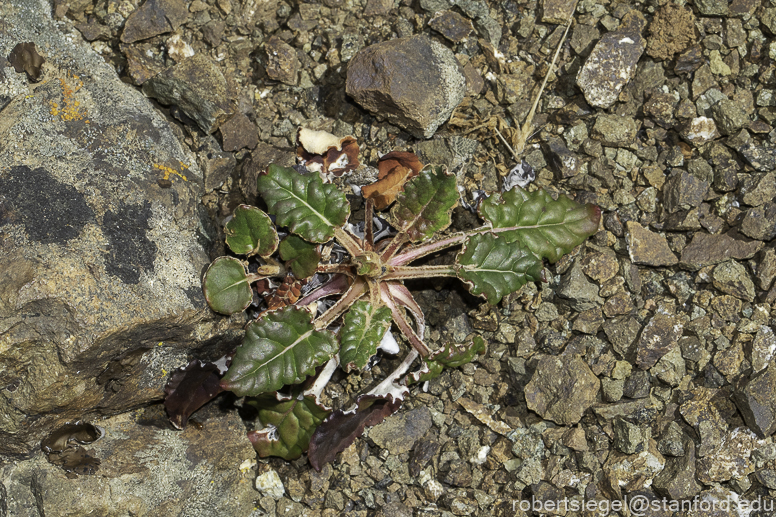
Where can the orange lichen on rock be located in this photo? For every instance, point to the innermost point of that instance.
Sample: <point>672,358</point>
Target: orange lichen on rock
<point>71,108</point>
<point>165,181</point>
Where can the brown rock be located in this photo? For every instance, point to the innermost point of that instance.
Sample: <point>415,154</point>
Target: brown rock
<point>672,30</point>
<point>732,278</point>
<point>562,388</point>
<point>154,17</point>
<point>648,248</point>
<point>609,67</point>
<point>555,11</point>
<point>415,83</point>
<point>282,62</point>
<point>142,64</point>
<point>706,249</point>
<point>378,7</point>
<point>756,399</point>
<point>659,335</point>
<point>677,480</point>
<point>239,133</point>
<point>730,460</point>
<point>196,86</point>
<point>451,25</point>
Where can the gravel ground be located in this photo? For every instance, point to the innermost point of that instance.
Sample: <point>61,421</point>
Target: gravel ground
<point>643,368</point>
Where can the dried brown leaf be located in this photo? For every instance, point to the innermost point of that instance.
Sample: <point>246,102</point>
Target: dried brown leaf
<point>394,170</point>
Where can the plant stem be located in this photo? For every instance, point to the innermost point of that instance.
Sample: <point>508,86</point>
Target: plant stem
<point>410,272</point>
<point>323,378</point>
<point>369,236</point>
<point>338,284</point>
<point>335,311</point>
<point>403,297</point>
<point>523,137</point>
<point>401,321</point>
<point>398,240</point>
<point>344,269</point>
<point>347,241</point>
<point>421,251</point>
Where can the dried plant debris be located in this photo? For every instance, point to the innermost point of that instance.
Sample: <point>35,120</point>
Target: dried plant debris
<point>322,152</point>
<point>25,58</point>
<point>395,169</point>
<point>63,448</point>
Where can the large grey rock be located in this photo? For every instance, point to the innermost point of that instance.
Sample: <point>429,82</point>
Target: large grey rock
<point>415,83</point>
<point>145,470</point>
<point>99,265</point>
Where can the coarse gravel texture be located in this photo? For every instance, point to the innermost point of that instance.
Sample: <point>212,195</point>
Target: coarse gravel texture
<point>644,366</point>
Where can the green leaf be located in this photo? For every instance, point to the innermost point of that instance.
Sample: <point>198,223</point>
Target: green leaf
<point>226,286</point>
<point>492,267</point>
<point>425,205</point>
<point>251,232</point>
<point>303,203</point>
<point>549,228</point>
<point>301,256</point>
<point>282,347</point>
<point>363,328</point>
<point>449,356</point>
<point>289,421</point>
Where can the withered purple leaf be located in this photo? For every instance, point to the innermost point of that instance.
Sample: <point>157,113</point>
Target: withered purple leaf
<point>341,428</point>
<point>189,389</point>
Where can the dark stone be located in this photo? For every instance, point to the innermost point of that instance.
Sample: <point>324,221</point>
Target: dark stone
<point>282,61</point>
<point>51,211</point>
<point>197,87</point>
<point>683,191</point>
<point>154,17</point>
<point>677,479</point>
<point>661,107</point>
<point>622,333</point>
<point>637,385</point>
<point>689,61</point>
<point>142,64</point>
<point>756,399</point>
<point>659,335</point>
<point>762,157</point>
<point>24,57</point>
<point>415,83</point>
<point>93,31</point>
<point>729,116</point>
<point>565,163</point>
<point>239,133</point>
<point>614,130</point>
<point>451,25</point>
<point>646,247</point>
<point>213,31</point>
<point>562,389</point>
<point>460,474</point>
<point>706,249</point>
<point>423,451</point>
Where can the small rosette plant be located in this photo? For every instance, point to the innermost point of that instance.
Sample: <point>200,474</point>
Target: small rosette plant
<point>299,347</point>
